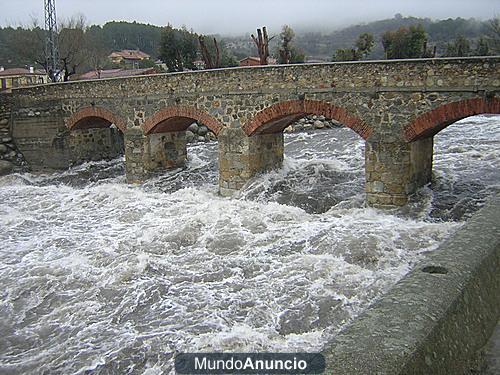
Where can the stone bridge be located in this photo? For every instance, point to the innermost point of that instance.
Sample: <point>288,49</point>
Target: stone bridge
<point>395,106</point>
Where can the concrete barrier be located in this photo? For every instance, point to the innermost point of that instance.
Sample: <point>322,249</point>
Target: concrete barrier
<point>438,317</point>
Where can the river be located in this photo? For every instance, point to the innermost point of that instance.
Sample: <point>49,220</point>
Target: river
<point>98,276</point>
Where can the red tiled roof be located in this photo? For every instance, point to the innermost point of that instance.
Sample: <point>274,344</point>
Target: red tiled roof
<point>130,54</point>
<point>114,73</point>
<point>20,71</point>
<point>251,58</point>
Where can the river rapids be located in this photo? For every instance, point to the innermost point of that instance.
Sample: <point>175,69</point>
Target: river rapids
<point>98,276</point>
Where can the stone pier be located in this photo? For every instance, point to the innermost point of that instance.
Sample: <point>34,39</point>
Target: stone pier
<point>242,157</point>
<point>148,155</point>
<point>395,170</point>
<point>94,144</point>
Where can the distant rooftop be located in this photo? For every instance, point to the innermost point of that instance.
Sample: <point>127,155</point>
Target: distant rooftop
<point>130,54</point>
<point>114,73</point>
<point>20,71</point>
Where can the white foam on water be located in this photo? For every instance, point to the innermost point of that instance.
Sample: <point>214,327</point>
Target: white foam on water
<point>111,278</point>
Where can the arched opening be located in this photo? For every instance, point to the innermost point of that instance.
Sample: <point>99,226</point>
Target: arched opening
<point>95,134</point>
<point>172,133</point>
<point>276,118</point>
<point>432,122</point>
<point>460,141</point>
<point>324,163</point>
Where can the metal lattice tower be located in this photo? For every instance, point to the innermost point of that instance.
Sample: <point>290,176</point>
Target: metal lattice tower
<point>52,53</point>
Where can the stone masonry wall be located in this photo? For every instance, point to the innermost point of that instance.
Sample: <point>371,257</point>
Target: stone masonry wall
<point>10,157</point>
<point>95,144</point>
<point>241,157</point>
<point>165,151</point>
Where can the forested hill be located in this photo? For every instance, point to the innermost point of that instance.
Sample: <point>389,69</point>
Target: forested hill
<point>126,35</point>
<point>316,45</point>
<point>440,32</point>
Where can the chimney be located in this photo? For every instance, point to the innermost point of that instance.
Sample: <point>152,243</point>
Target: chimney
<point>32,70</point>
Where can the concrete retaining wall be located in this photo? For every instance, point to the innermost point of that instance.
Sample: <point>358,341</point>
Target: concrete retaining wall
<point>437,318</point>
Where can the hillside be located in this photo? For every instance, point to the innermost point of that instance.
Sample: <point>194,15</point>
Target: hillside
<point>316,45</point>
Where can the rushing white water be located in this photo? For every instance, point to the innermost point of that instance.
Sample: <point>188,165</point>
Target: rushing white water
<point>100,276</point>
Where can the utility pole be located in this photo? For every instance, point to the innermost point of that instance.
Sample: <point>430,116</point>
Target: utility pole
<point>51,52</point>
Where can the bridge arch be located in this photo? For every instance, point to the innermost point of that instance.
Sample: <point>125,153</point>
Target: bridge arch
<point>430,123</point>
<point>178,118</point>
<point>95,117</point>
<point>278,116</point>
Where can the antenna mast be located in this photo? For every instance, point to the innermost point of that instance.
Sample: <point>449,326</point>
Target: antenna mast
<point>52,53</point>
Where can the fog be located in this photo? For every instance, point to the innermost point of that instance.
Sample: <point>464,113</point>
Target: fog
<point>243,16</point>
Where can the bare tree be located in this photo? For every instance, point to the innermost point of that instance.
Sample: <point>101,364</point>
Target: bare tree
<point>207,57</point>
<point>29,43</point>
<point>72,44</point>
<point>262,43</point>
<point>494,34</point>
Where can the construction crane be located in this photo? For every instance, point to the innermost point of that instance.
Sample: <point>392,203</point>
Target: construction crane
<point>51,50</point>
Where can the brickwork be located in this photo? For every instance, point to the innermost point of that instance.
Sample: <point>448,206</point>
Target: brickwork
<point>433,121</point>
<point>277,117</point>
<point>88,116</point>
<point>179,118</point>
<point>393,105</point>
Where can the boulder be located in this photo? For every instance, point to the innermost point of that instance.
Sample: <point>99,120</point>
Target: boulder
<point>5,167</point>
<point>319,124</point>
<point>336,124</point>
<point>202,130</point>
<point>189,136</point>
<point>3,149</point>
<point>193,128</point>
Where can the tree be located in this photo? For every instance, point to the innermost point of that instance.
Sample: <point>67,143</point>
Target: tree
<point>178,48</point>
<point>96,50</point>
<point>262,44</point>
<point>288,53</point>
<point>207,56</point>
<point>30,43</point>
<point>482,47</point>
<point>405,43</point>
<point>364,44</point>
<point>494,35</point>
<point>226,59</point>
<point>347,54</point>
<point>72,45</point>
<point>460,47</point>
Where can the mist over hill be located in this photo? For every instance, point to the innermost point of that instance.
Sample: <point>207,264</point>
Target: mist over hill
<point>316,45</point>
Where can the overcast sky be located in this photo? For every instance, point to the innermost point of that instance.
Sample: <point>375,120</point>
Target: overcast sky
<point>244,16</point>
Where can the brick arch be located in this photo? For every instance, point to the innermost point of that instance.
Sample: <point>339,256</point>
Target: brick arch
<point>179,118</point>
<point>277,117</point>
<point>95,117</point>
<point>432,122</point>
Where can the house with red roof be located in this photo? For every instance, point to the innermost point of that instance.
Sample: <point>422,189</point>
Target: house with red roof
<point>17,77</point>
<point>128,57</point>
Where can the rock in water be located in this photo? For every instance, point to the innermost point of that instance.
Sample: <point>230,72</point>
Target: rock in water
<point>189,136</point>
<point>319,124</point>
<point>202,130</point>
<point>193,128</point>
<point>5,167</point>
